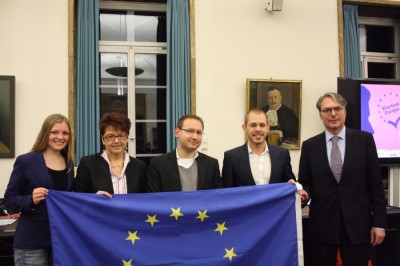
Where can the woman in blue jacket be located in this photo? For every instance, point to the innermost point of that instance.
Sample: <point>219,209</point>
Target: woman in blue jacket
<point>49,165</point>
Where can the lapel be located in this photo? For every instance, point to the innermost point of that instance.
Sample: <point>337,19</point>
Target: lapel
<point>40,166</point>
<point>275,162</point>
<point>70,174</point>
<point>200,171</point>
<point>173,169</point>
<point>243,162</point>
<point>324,152</point>
<point>129,172</point>
<point>349,150</point>
<point>104,171</point>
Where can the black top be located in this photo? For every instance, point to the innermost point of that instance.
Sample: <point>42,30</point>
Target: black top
<point>59,178</point>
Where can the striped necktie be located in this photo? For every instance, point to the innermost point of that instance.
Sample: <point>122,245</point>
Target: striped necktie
<point>336,159</point>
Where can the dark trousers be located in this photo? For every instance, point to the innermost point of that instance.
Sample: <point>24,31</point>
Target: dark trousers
<point>351,255</point>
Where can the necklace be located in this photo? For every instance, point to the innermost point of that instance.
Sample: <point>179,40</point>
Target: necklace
<point>117,165</point>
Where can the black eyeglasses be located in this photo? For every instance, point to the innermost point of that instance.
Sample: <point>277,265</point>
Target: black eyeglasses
<point>192,131</point>
<point>112,137</point>
<point>328,111</point>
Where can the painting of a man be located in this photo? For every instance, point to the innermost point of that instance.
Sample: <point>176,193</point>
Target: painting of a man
<point>281,118</point>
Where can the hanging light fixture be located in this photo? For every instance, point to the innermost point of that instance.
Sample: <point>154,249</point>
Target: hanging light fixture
<point>122,71</point>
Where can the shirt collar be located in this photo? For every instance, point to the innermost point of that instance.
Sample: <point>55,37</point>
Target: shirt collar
<point>126,157</point>
<point>249,150</point>
<point>329,135</point>
<point>178,157</point>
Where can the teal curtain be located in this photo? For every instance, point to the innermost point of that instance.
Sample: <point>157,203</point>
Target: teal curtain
<point>178,65</point>
<point>87,78</point>
<point>352,59</point>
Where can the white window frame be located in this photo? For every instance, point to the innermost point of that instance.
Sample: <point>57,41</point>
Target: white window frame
<point>131,90</point>
<point>378,59</point>
<point>132,48</point>
<point>367,57</point>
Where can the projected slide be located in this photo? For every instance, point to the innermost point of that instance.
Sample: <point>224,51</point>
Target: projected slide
<point>380,115</point>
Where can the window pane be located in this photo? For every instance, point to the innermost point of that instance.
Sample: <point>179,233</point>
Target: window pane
<point>151,86</point>
<point>150,94</point>
<point>113,83</point>
<point>150,139</point>
<point>381,70</point>
<point>133,26</point>
<point>379,39</point>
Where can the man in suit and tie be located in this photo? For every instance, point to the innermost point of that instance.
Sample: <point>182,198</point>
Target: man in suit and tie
<point>184,169</point>
<point>256,162</point>
<point>343,180</point>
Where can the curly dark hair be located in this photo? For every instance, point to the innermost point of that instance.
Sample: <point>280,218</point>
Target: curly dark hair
<point>116,120</point>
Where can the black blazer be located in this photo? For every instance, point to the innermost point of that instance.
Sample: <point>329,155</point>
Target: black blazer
<point>163,173</point>
<point>236,169</point>
<point>94,174</point>
<point>359,197</point>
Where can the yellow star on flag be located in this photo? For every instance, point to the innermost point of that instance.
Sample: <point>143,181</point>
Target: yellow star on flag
<point>230,254</point>
<point>127,263</point>
<point>202,215</point>
<point>176,213</point>
<point>221,228</point>
<point>132,237</point>
<point>152,219</point>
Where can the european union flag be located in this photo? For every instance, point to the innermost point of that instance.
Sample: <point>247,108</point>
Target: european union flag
<point>254,225</point>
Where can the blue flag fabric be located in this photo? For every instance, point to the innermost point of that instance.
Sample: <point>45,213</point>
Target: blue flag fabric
<point>254,225</point>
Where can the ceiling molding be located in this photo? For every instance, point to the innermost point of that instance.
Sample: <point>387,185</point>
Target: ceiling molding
<point>373,2</point>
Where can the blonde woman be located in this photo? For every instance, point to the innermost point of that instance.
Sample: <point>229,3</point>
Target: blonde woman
<point>47,166</point>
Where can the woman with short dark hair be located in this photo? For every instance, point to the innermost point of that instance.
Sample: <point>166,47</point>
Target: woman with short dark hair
<point>112,171</point>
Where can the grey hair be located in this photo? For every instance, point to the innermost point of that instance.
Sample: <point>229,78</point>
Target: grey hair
<point>334,96</point>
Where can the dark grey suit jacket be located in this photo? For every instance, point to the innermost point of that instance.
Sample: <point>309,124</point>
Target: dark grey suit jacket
<point>236,171</point>
<point>359,197</point>
<point>163,173</point>
<point>94,174</point>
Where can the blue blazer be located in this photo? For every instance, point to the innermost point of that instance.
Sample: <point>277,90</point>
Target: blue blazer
<point>30,172</point>
<point>236,171</point>
<point>359,197</point>
<point>163,173</point>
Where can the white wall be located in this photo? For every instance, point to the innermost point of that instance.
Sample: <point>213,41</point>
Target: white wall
<point>238,39</point>
<point>34,49</point>
<point>235,40</point>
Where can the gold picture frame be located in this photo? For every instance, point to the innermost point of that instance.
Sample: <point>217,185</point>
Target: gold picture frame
<point>284,116</point>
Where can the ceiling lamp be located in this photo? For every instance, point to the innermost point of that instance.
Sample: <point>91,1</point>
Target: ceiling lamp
<point>123,71</point>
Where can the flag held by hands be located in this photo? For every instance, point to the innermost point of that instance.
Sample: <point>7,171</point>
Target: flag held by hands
<point>254,225</point>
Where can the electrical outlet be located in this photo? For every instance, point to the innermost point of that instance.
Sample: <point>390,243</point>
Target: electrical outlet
<point>204,144</point>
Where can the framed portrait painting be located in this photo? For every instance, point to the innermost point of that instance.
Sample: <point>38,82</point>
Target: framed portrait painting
<point>281,101</point>
<point>7,116</point>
